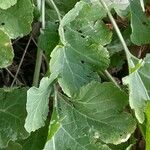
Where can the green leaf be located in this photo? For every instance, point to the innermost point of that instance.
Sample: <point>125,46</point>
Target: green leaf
<point>65,5</point>
<point>5,4</point>
<point>139,89</point>
<point>54,124</point>
<point>16,20</point>
<point>36,140</point>
<point>37,104</point>
<point>6,50</point>
<point>82,53</point>
<point>49,38</point>
<point>120,6</point>
<point>13,146</point>
<point>12,115</point>
<point>116,46</point>
<point>90,117</point>
<point>140,24</point>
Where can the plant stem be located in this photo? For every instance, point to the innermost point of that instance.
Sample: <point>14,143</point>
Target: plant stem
<point>13,76</point>
<point>112,79</point>
<point>41,6</point>
<point>128,54</point>
<point>142,5</point>
<point>148,127</point>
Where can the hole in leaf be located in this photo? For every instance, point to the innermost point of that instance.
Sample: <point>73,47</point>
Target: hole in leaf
<point>82,62</point>
<point>144,23</point>
<point>2,23</point>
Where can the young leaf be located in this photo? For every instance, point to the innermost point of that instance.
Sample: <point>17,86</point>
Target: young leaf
<point>90,117</point>
<point>6,50</point>
<point>82,52</point>
<point>16,20</point>
<point>37,104</point>
<point>5,4</point>
<point>12,115</point>
<point>139,89</point>
<point>140,24</point>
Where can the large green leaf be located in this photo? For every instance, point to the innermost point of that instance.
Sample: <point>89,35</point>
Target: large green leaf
<point>139,89</point>
<point>140,24</point>
<point>6,50</point>
<point>82,52</point>
<point>12,115</point>
<point>5,4</point>
<point>37,104</point>
<point>94,115</point>
<point>16,20</point>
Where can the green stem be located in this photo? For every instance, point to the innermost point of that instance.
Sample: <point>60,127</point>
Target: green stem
<point>148,127</point>
<point>112,79</point>
<point>37,67</point>
<point>41,6</point>
<point>128,54</point>
<point>142,129</point>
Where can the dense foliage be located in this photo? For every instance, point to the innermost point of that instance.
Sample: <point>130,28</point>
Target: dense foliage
<point>95,92</point>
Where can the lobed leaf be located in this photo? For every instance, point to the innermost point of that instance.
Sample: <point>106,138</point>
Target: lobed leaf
<point>81,54</point>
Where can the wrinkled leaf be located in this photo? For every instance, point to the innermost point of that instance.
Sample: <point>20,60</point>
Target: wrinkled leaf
<point>90,117</point>
<point>82,52</point>
<point>12,115</point>
<point>6,50</point>
<point>37,104</point>
<point>16,20</point>
<point>5,4</point>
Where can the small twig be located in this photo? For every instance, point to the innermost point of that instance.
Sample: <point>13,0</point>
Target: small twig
<point>112,79</point>
<point>20,64</point>
<point>13,76</point>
